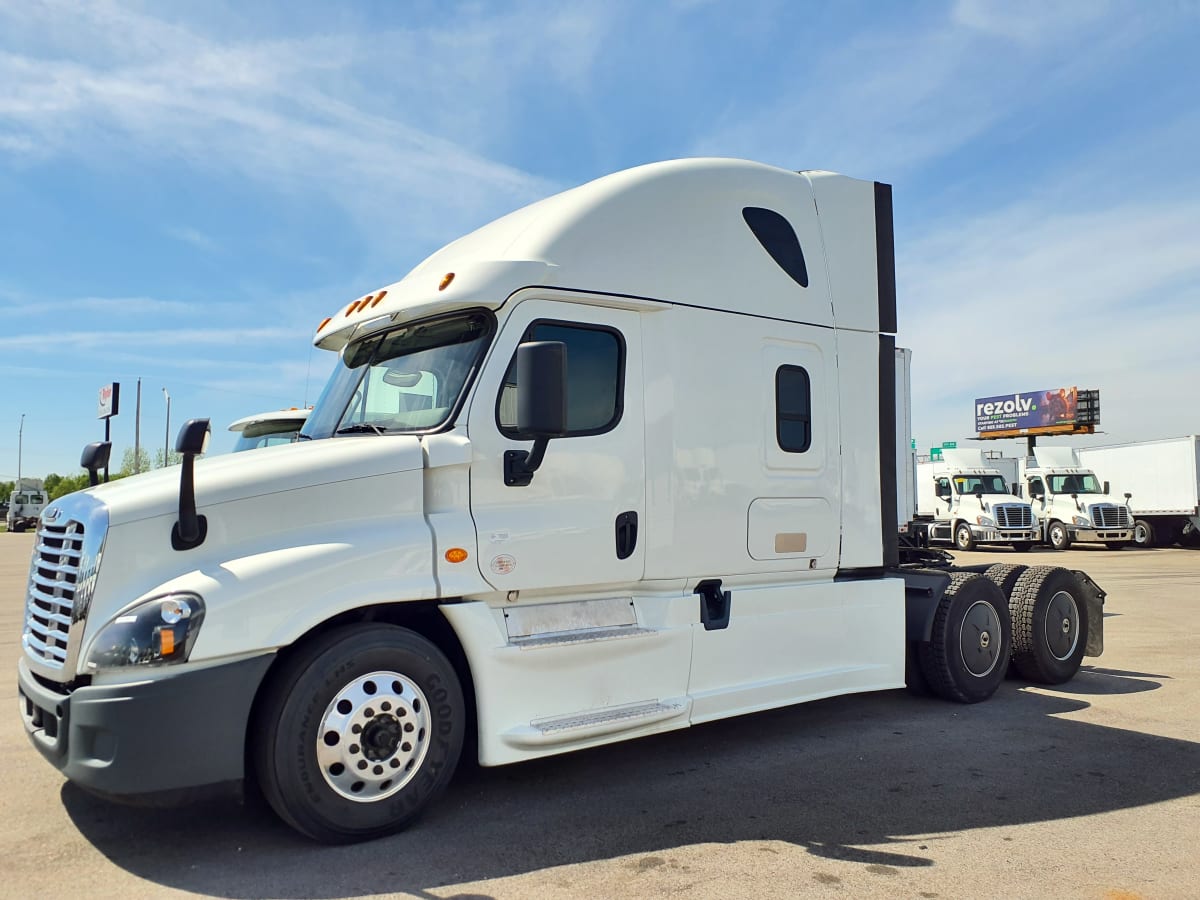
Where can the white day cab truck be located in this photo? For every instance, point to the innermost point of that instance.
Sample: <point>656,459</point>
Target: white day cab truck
<point>25,504</point>
<point>1163,479</point>
<point>620,462</point>
<point>1071,504</point>
<point>963,500</point>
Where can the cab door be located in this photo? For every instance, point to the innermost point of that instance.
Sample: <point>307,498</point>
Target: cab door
<point>578,526</point>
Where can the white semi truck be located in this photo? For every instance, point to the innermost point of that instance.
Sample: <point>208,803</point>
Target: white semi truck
<point>25,504</point>
<point>963,500</point>
<point>1163,479</point>
<point>621,462</point>
<point>1071,504</point>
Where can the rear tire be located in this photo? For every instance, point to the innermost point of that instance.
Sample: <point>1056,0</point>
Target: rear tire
<point>1058,536</point>
<point>967,654</point>
<point>1143,534</point>
<point>358,732</point>
<point>1049,622</point>
<point>964,540</point>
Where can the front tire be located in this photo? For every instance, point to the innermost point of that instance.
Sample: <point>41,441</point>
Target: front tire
<point>964,540</point>
<point>1049,620</point>
<point>358,733</point>
<point>1143,534</point>
<point>967,654</point>
<point>1059,536</point>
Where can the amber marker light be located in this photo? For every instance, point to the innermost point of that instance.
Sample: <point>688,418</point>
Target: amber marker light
<point>167,638</point>
<point>456,555</point>
<point>378,297</point>
<point>446,279</point>
<point>324,322</point>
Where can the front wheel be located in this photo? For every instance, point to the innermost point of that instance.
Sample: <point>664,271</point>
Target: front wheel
<point>358,732</point>
<point>1143,534</point>
<point>1059,536</point>
<point>963,538</point>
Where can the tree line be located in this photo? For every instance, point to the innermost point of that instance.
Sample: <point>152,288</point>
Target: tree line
<point>59,485</point>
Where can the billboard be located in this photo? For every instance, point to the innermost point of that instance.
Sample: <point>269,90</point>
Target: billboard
<point>1057,411</point>
<point>110,401</point>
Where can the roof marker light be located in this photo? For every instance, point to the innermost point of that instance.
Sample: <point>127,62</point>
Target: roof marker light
<point>324,322</point>
<point>378,297</point>
<point>446,279</point>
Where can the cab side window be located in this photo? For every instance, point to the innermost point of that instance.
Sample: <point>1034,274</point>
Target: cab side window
<point>595,378</point>
<point>793,409</point>
<point>1035,487</point>
<point>943,488</point>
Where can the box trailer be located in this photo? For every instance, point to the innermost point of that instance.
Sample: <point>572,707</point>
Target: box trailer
<point>1162,478</point>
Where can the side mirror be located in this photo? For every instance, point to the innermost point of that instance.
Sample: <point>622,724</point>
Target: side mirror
<point>541,406</point>
<point>191,529</point>
<point>1128,496</point>
<point>95,457</point>
<point>542,389</point>
<point>193,437</point>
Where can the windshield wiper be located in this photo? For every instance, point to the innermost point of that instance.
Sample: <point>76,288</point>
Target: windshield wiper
<point>362,428</point>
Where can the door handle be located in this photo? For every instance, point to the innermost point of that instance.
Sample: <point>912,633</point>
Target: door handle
<point>627,527</point>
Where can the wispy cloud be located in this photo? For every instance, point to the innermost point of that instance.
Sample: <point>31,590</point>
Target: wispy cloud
<point>164,337</point>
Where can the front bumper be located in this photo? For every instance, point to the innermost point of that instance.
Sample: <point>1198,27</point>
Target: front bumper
<point>178,731</point>
<point>1099,535</point>
<point>986,535</point>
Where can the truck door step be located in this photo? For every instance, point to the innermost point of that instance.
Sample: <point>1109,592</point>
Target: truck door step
<point>579,636</point>
<point>580,726</point>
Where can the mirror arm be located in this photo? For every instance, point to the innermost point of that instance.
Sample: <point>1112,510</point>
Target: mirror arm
<point>519,465</point>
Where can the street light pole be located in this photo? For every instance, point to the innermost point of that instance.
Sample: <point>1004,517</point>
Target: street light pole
<point>20,446</point>
<point>167,434</point>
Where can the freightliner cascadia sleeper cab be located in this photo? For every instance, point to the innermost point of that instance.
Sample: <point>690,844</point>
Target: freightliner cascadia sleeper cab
<point>620,462</point>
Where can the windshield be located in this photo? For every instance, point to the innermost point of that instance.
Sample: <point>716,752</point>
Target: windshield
<point>1074,484</point>
<point>980,484</point>
<point>409,379</point>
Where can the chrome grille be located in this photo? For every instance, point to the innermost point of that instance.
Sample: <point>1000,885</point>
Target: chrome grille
<point>62,578</point>
<point>1109,515</point>
<point>1014,515</point>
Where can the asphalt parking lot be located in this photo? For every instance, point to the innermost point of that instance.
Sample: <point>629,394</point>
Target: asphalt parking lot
<point>1091,790</point>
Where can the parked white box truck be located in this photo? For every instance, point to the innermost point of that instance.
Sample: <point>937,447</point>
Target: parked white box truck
<point>621,462</point>
<point>963,500</point>
<point>1163,479</point>
<point>1071,504</point>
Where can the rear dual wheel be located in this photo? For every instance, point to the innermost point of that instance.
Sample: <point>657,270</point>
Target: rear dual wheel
<point>967,654</point>
<point>1049,623</point>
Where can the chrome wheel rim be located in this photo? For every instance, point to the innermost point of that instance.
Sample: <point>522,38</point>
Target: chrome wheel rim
<point>373,736</point>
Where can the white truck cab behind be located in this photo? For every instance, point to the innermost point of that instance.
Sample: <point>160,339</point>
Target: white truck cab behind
<point>964,502</point>
<point>1071,504</point>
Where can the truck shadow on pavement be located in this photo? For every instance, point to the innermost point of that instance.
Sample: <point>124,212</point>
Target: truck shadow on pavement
<point>832,777</point>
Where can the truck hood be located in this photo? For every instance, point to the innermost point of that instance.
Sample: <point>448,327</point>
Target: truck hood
<point>255,473</point>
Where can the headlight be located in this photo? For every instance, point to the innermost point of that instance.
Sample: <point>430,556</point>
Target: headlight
<point>1080,520</point>
<point>154,633</point>
<point>984,520</point>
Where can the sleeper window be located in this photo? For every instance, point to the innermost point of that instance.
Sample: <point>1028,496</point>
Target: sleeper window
<point>793,409</point>
<point>595,378</point>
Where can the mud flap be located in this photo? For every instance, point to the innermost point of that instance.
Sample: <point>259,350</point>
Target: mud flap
<point>1093,598</point>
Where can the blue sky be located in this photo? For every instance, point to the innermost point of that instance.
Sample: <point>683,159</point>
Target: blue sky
<point>186,190</point>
